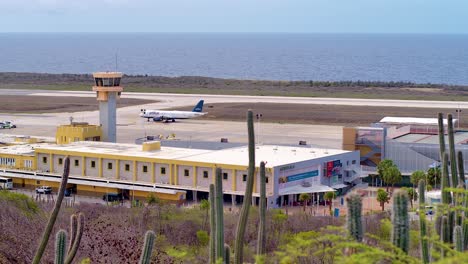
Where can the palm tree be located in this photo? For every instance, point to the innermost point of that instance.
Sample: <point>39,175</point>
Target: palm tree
<point>304,198</point>
<point>392,175</point>
<point>329,196</point>
<point>382,198</point>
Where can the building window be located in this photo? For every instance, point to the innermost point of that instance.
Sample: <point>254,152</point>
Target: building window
<point>44,159</point>
<point>225,176</point>
<point>60,161</point>
<point>186,172</point>
<point>127,167</point>
<point>77,162</point>
<point>93,164</point>
<point>163,170</point>
<point>109,166</point>
<point>205,174</point>
<point>353,162</point>
<point>145,168</point>
<point>38,182</point>
<point>244,177</point>
<point>266,179</point>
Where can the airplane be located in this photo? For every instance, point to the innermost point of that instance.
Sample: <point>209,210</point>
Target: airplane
<point>166,115</point>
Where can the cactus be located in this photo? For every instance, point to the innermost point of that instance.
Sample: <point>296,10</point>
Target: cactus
<point>212,225</point>
<point>354,216</point>
<point>400,221</point>
<point>453,158</point>
<point>227,254</point>
<point>261,247</point>
<point>440,118</point>
<point>461,170</point>
<point>444,230</point>
<point>219,215</point>
<point>465,234</point>
<point>458,239</point>
<point>53,216</point>
<point>451,224</point>
<point>147,248</point>
<point>422,222</point>
<point>77,229</point>
<point>238,246</point>
<point>446,196</point>
<point>60,246</point>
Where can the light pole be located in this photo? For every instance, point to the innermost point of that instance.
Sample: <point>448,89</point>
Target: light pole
<point>259,117</point>
<point>458,111</point>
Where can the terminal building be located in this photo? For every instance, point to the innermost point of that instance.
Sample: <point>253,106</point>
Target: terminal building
<point>179,174</point>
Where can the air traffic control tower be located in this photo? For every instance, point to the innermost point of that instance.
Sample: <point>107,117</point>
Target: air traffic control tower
<point>108,90</point>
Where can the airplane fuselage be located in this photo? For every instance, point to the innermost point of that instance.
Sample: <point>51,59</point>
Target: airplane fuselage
<point>161,115</point>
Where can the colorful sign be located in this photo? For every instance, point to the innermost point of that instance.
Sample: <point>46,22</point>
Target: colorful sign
<point>300,177</point>
<point>333,168</point>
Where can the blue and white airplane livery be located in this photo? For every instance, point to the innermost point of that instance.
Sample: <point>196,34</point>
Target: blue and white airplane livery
<point>166,115</point>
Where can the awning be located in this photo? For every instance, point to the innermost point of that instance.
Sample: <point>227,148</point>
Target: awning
<point>339,186</point>
<point>297,189</point>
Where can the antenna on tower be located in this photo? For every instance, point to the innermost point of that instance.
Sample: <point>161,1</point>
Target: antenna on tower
<point>116,62</point>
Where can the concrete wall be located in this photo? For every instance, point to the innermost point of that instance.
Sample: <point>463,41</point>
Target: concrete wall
<point>161,178</point>
<point>58,167</point>
<point>204,182</point>
<point>75,170</point>
<point>106,173</point>
<point>90,171</point>
<point>240,184</point>
<point>185,180</point>
<point>41,166</point>
<point>126,175</point>
<point>144,176</point>
<point>227,184</point>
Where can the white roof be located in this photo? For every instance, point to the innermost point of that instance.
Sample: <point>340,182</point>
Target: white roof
<point>413,120</point>
<point>26,149</point>
<point>273,155</point>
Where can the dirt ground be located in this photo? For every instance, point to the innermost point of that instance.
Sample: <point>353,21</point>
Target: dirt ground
<point>319,114</point>
<point>270,112</point>
<point>53,104</point>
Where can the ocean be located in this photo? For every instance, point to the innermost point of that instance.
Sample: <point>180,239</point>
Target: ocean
<point>372,57</point>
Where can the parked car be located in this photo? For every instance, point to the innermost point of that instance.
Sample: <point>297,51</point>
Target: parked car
<point>44,190</point>
<point>112,197</point>
<point>7,124</point>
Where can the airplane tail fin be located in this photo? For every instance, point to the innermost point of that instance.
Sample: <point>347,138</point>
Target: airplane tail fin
<point>198,107</point>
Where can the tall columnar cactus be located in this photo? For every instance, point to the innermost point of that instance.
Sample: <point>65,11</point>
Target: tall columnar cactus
<point>53,216</point>
<point>219,215</point>
<point>458,238</point>
<point>461,169</point>
<point>76,230</point>
<point>145,257</point>
<point>400,220</point>
<point>239,243</point>
<point>212,225</point>
<point>446,196</point>
<point>422,222</point>
<point>451,224</point>
<point>453,157</point>
<point>261,241</point>
<point>227,254</point>
<point>355,216</point>
<point>444,230</point>
<point>60,246</point>
<point>440,118</point>
<point>465,234</point>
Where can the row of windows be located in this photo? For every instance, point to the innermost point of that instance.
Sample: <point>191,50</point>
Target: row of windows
<point>7,161</point>
<point>225,175</point>
<point>109,165</point>
<point>145,169</point>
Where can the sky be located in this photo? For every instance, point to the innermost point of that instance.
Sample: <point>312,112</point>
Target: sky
<point>295,16</point>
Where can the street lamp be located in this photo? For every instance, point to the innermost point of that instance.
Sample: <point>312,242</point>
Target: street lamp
<point>458,111</point>
<point>259,117</point>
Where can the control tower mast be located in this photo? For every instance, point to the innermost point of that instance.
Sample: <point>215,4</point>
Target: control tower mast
<point>108,90</point>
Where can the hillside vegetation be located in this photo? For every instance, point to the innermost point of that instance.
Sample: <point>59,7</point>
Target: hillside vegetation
<point>207,85</point>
